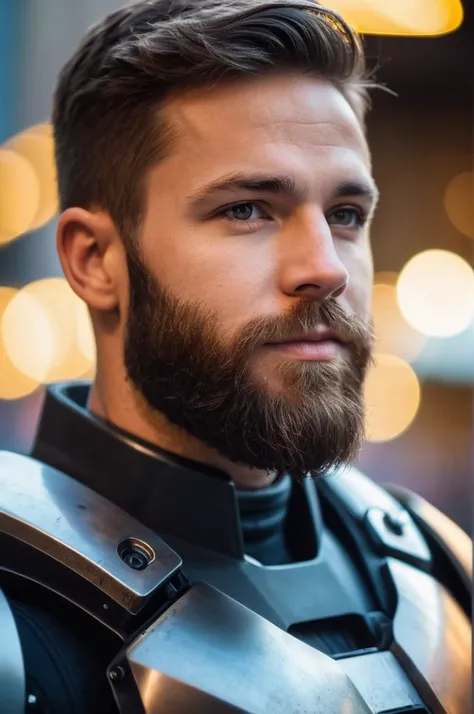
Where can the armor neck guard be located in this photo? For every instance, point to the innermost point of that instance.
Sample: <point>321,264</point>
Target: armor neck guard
<point>149,482</point>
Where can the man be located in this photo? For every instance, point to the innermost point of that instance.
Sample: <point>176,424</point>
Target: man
<point>216,196</point>
<point>225,258</point>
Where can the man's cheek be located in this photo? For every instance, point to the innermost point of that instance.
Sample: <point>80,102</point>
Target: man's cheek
<point>357,301</point>
<point>359,291</point>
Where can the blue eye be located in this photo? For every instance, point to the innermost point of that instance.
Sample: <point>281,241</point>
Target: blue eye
<point>244,212</point>
<point>347,217</point>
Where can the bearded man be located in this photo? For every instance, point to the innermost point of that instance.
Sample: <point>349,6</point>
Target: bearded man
<point>216,200</point>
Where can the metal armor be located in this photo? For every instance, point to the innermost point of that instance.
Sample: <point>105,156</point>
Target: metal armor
<point>199,636</point>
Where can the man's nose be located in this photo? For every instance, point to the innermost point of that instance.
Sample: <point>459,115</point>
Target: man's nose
<point>309,262</point>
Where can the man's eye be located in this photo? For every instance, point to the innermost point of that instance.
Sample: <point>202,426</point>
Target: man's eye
<point>244,212</point>
<point>347,217</point>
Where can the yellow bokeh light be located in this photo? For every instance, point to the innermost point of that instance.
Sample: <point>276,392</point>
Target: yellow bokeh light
<point>13,384</point>
<point>435,293</point>
<point>37,146</point>
<point>28,336</point>
<point>40,332</point>
<point>459,202</point>
<point>392,398</point>
<point>46,129</point>
<point>400,17</point>
<point>386,277</point>
<point>6,294</point>
<point>19,195</point>
<point>393,334</point>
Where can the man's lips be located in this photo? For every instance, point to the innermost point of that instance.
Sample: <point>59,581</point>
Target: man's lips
<point>322,335</point>
<point>320,346</point>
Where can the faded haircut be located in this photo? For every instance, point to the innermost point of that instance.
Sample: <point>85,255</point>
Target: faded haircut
<point>106,113</point>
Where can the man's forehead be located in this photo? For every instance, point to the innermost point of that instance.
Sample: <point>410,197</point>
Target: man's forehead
<point>195,170</point>
<point>281,109</point>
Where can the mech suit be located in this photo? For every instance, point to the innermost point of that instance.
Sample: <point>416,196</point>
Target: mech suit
<point>135,581</point>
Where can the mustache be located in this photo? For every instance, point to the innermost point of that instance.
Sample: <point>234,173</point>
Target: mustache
<point>304,317</point>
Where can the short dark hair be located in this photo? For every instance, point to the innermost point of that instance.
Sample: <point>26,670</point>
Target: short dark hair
<point>108,130</point>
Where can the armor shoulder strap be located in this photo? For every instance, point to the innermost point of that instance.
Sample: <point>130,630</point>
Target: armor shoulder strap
<point>450,545</point>
<point>386,524</point>
<point>431,624</point>
<point>60,534</point>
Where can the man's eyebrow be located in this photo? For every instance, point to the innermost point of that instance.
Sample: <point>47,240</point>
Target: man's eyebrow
<point>278,185</point>
<point>363,188</point>
<point>282,185</point>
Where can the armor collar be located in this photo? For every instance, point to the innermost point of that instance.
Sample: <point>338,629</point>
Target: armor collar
<point>168,493</point>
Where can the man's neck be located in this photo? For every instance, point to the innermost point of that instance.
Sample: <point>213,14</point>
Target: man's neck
<point>125,408</point>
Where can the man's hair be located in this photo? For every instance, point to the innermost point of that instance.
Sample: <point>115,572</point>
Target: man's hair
<point>107,124</point>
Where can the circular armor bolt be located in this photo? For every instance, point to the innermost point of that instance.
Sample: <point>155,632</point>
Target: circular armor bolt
<point>135,558</point>
<point>136,554</point>
<point>117,674</point>
<point>395,523</point>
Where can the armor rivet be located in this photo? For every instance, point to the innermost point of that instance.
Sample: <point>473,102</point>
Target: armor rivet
<point>135,553</point>
<point>117,674</point>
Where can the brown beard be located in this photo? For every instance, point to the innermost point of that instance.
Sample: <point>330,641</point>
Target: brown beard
<point>177,362</point>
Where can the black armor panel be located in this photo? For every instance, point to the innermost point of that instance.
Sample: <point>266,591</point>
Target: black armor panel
<point>12,672</point>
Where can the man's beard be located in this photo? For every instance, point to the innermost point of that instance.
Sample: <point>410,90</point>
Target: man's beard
<point>180,365</point>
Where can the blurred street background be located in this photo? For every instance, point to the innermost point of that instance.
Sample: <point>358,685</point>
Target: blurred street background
<point>420,392</point>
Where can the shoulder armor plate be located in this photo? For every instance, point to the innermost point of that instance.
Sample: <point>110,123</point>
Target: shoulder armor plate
<point>77,531</point>
<point>387,523</point>
<point>208,654</point>
<point>431,631</point>
<point>452,540</point>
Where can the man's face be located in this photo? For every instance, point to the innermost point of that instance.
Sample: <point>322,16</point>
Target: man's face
<point>250,293</point>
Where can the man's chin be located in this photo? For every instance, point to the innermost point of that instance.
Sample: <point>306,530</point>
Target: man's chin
<point>297,430</point>
<point>294,381</point>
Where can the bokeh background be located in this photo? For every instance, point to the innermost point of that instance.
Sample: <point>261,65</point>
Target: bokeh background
<point>420,391</point>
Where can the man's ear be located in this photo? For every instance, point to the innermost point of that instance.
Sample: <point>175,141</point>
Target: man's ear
<point>92,256</point>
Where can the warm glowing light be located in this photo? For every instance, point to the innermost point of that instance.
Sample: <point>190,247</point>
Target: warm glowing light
<point>13,384</point>
<point>37,146</point>
<point>41,333</point>
<point>19,195</point>
<point>89,374</point>
<point>459,202</point>
<point>393,335</point>
<point>400,17</point>
<point>392,398</point>
<point>45,129</point>
<point>6,295</point>
<point>386,277</point>
<point>435,293</point>
<point>28,336</point>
